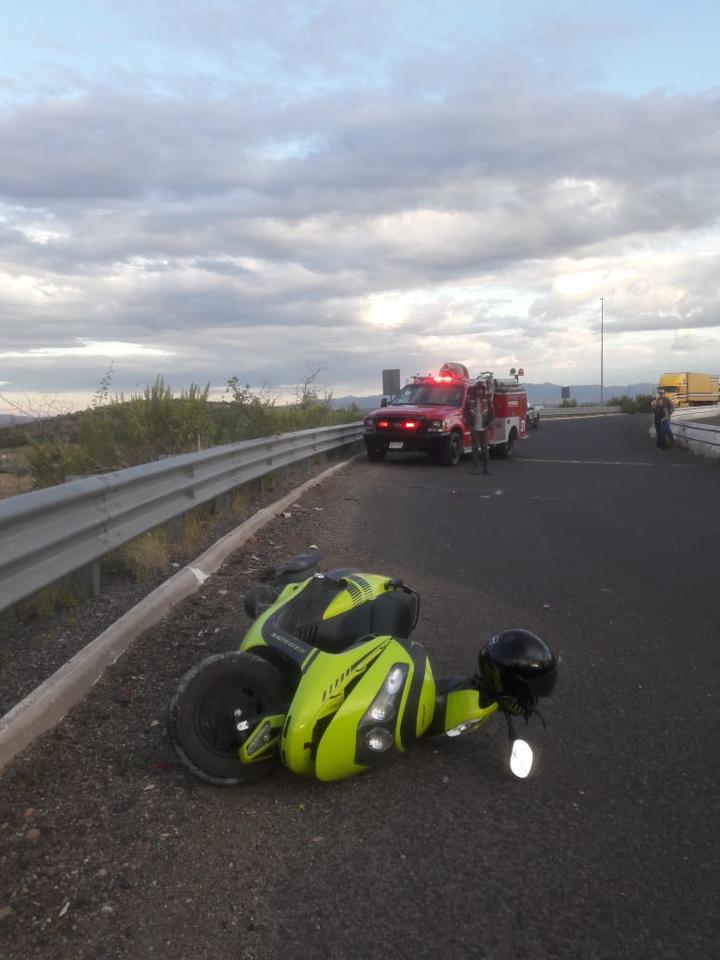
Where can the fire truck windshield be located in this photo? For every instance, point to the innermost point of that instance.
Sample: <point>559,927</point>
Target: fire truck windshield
<point>429,395</point>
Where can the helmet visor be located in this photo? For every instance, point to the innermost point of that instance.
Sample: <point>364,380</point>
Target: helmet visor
<point>542,685</point>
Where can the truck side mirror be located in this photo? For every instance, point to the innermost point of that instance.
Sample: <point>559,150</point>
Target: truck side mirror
<point>384,402</point>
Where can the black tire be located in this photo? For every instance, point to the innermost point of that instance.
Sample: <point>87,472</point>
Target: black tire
<point>375,454</point>
<point>536,423</point>
<point>505,450</point>
<point>201,721</point>
<point>452,450</point>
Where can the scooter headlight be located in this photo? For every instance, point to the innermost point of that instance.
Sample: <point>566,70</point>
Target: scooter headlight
<point>382,712</point>
<point>394,680</point>
<point>379,739</point>
<point>384,706</point>
<point>376,733</point>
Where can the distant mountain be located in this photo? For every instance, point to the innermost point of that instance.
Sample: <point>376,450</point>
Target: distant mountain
<point>364,403</point>
<point>583,392</point>
<point>537,393</point>
<point>12,420</point>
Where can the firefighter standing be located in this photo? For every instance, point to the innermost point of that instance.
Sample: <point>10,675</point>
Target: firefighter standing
<point>479,417</point>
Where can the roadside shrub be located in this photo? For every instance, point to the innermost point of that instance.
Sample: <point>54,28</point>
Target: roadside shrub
<point>153,424</point>
<point>50,462</point>
<point>118,432</point>
<point>13,436</point>
<point>638,404</point>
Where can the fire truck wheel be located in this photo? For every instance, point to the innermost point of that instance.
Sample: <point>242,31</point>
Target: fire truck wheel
<point>505,450</point>
<point>452,451</point>
<point>376,453</point>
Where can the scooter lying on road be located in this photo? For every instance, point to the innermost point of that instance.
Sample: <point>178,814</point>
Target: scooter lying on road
<point>327,680</point>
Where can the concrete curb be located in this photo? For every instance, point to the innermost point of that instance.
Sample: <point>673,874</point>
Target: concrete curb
<point>42,709</point>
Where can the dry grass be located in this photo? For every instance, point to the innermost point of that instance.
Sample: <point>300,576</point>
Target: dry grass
<point>10,485</point>
<point>175,542</point>
<point>242,498</point>
<point>45,603</point>
<point>145,555</point>
<point>14,473</point>
<point>187,533</point>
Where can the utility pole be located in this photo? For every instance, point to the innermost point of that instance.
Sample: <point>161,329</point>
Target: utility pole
<point>602,346</point>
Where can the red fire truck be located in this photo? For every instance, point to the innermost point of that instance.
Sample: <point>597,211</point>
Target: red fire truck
<point>427,415</point>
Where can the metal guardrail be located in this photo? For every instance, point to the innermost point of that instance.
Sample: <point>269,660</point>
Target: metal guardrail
<point>588,410</point>
<point>700,437</point>
<point>705,412</point>
<point>48,534</point>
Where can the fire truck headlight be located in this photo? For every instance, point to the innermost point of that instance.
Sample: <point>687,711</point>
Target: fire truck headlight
<point>438,425</point>
<point>369,422</point>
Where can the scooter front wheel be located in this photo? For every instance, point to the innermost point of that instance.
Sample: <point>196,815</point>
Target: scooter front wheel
<point>214,697</point>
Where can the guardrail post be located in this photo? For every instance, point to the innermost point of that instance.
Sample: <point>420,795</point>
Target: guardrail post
<point>175,528</point>
<point>87,579</point>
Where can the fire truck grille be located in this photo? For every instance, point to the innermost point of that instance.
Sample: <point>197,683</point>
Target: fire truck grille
<point>407,424</point>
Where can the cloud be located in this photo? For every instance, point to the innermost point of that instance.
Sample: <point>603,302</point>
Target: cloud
<point>89,348</point>
<point>256,187</point>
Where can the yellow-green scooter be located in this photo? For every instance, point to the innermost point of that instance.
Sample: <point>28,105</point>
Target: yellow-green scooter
<point>328,682</point>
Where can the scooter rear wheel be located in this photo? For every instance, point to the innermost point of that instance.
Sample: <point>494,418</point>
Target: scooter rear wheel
<point>210,700</point>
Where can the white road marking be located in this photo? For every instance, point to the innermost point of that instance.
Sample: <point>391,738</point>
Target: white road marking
<point>610,463</point>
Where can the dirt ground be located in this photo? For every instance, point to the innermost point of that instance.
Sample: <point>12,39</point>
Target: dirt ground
<point>77,840</point>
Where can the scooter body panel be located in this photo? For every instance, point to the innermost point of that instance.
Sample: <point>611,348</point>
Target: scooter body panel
<point>329,719</point>
<point>319,694</point>
<point>263,633</point>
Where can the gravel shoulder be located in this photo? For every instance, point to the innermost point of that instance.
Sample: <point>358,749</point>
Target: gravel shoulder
<point>87,846</point>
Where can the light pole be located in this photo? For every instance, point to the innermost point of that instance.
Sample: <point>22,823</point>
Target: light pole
<point>602,336</point>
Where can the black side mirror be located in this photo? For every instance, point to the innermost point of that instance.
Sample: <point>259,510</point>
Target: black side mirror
<point>384,402</point>
<point>259,597</point>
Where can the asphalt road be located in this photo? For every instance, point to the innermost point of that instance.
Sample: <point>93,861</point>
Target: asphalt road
<point>606,546</point>
<point>609,548</point>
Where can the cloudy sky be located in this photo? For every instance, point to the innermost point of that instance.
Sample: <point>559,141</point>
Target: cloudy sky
<point>265,188</point>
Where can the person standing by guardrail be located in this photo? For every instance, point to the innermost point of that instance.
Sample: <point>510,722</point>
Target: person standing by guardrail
<point>662,412</point>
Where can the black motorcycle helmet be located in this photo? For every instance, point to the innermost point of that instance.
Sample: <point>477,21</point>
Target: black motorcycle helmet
<point>517,664</point>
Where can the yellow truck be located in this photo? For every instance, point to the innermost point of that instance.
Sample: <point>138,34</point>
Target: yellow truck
<point>690,389</point>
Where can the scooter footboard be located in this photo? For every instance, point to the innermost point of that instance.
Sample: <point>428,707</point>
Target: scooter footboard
<point>457,708</point>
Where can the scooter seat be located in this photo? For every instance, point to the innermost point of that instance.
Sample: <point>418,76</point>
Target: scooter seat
<point>392,613</point>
